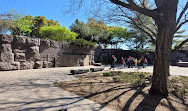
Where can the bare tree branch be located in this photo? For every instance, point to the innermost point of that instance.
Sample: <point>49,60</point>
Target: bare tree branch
<point>134,7</point>
<point>152,38</point>
<point>181,14</point>
<point>178,27</point>
<point>179,46</point>
<point>138,25</point>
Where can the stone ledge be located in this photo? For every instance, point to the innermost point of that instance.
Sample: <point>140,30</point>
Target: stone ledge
<point>7,66</point>
<point>183,64</point>
<point>79,71</point>
<point>96,69</point>
<point>97,64</point>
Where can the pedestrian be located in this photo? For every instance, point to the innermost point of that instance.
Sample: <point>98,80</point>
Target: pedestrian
<point>146,62</point>
<point>125,61</point>
<point>122,62</point>
<point>132,62</point>
<point>143,62</point>
<point>113,62</point>
<point>129,61</point>
<point>136,62</point>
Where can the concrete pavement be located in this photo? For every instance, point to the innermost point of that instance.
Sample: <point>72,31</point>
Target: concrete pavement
<point>33,90</point>
<point>174,70</point>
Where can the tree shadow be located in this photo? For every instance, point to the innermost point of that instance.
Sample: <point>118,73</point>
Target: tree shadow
<point>147,103</point>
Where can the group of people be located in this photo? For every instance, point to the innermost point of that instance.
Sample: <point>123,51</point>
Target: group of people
<point>130,62</point>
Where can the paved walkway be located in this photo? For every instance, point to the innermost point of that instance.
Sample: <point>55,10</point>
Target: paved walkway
<point>33,90</point>
<point>174,70</point>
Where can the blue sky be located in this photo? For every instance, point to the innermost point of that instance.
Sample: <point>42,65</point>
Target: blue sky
<point>51,9</point>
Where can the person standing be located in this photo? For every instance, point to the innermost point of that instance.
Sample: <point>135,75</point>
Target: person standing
<point>146,62</point>
<point>143,62</point>
<point>136,62</point>
<point>129,62</point>
<point>122,62</point>
<point>125,59</point>
<point>113,62</point>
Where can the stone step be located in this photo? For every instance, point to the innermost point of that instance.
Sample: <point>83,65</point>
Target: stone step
<point>79,71</point>
<point>96,69</point>
<point>97,64</point>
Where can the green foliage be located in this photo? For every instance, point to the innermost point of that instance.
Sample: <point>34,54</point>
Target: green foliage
<point>132,78</point>
<point>29,25</point>
<point>97,31</point>
<point>112,73</point>
<point>57,33</point>
<point>22,26</point>
<point>83,42</point>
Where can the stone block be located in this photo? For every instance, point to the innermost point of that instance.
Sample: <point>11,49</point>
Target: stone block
<point>34,50</point>
<point>32,53</point>
<point>65,45</point>
<point>55,44</point>
<point>19,57</point>
<point>44,43</point>
<point>97,64</point>
<point>33,41</point>
<point>38,65</point>
<point>19,39</point>
<point>26,65</point>
<point>7,66</point>
<point>7,57</point>
<point>183,64</point>
<point>79,71</point>
<point>6,38</point>
<point>19,51</point>
<point>47,64</point>
<point>6,48</point>
<point>80,62</point>
<point>33,57</point>
<point>96,69</point>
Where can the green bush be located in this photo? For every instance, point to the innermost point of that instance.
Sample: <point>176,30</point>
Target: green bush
<point>82,42</point>
<point>57,33</point>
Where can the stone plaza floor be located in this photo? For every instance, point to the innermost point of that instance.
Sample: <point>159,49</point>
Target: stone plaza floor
<point>31,90</point>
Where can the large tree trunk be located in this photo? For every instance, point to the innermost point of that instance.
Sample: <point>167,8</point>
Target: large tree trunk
<point>162,58</point>
<point>166,23</point>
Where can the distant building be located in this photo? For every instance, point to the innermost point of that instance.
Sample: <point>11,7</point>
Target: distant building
<point>182,54</point>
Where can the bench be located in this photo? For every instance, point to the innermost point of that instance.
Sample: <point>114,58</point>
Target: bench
<point>96,69</point>
<point>79,71</point>
<point>97,64</point>
<point>183,64</point>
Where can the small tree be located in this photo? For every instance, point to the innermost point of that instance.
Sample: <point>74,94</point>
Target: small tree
<point>57,33</point>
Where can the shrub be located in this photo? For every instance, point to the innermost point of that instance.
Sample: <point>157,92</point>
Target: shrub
<point>82,42</point>
<point>57,33</point>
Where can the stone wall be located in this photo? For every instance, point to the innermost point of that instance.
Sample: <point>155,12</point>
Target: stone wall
<point>176,56</point>
<point>20,52</point>
<point>181,54</point>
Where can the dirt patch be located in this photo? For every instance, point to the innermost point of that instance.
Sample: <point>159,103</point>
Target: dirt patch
<point>121,96</point>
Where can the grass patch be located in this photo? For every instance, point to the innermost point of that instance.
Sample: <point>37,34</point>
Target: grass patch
<point>132,78</point>
<point>179,85</point>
